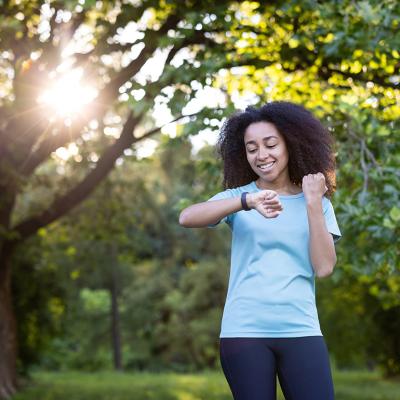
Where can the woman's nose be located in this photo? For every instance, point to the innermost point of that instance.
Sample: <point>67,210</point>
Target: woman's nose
<point>263,154</point>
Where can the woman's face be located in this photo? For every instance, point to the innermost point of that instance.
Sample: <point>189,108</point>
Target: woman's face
<point>266,152</point>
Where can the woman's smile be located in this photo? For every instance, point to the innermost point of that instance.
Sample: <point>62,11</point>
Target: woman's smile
<point>266,167</point>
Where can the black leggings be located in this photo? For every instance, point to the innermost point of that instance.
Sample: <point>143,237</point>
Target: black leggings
<point>302,364</point>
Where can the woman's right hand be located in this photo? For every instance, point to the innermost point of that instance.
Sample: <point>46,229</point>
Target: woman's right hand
<point>266,202</point>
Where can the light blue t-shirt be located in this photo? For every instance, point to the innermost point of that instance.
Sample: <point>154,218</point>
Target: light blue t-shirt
<point>271,291</point>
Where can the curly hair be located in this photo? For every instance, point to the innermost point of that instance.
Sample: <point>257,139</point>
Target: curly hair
<point>309,144</point>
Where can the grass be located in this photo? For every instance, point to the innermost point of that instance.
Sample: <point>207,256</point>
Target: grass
<point>210,385</point>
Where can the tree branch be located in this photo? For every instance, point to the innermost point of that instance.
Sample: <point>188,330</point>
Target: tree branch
<point>326,70</point>
<point>65,33</point>
<point>65,203</point>
<point>106,96</point>
<point>81,191</point>
<point>111,89</point>
<point>329,71</point>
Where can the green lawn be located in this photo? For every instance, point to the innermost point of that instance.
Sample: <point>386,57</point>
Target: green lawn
<point>171,386</point>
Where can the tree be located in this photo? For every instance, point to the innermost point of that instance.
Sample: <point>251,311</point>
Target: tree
<point>35,39</point>
<point>135,210</point>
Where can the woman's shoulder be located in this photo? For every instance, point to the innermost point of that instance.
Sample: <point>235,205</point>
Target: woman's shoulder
<point>249,187</point>
<point>233,192</point>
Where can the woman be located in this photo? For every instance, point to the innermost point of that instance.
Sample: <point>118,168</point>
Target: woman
<point>279,172</point>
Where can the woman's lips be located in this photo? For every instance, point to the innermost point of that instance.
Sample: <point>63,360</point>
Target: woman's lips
<point>265,168</point>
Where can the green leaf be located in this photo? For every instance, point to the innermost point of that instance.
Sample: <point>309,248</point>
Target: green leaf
<point>395,213</point>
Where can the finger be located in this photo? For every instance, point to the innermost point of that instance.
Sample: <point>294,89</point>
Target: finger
<point>270,196</point>
<point>272,214</point>
<point>273,206</point>
<point>273,197</point>
<point>271,202</point>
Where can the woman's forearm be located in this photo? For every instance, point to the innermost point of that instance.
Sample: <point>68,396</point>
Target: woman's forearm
<point>209,212</point>
<point>322,248</point>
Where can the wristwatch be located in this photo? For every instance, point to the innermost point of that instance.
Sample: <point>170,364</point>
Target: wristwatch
<point>244,202</point>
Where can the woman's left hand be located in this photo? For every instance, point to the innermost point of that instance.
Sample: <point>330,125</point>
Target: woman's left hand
<point>314,186</point>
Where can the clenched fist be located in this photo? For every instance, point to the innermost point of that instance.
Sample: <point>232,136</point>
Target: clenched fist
<point>266,202</point>
<point>314,186</point>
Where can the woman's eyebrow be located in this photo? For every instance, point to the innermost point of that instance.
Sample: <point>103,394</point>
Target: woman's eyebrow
<point>265,138</point>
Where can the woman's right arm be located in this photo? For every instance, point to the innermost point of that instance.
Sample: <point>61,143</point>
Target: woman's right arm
<point>201,215</point>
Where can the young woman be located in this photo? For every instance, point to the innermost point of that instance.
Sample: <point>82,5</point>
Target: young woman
<point>279,173</point>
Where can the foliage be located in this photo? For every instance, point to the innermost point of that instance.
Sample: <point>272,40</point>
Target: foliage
<point>40,301</point>
<point>156,260</point>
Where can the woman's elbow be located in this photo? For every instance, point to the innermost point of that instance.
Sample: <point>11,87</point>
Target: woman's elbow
<point>182,219</point>
<point>325,272</point>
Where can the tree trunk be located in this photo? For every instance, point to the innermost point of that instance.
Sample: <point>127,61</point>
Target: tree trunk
<point>8,328</point>
<point>115,319</point>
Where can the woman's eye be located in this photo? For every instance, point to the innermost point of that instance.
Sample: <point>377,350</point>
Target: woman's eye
<point>270,147</point>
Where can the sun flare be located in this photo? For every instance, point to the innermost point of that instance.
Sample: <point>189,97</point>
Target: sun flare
<point>68,96</point>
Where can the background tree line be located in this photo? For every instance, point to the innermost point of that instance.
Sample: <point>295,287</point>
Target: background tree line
<point>161,287</point>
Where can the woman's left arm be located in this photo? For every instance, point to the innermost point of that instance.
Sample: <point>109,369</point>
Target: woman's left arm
<point>322,248</point>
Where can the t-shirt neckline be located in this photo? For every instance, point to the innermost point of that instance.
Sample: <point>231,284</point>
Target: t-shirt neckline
<point>281,196</point>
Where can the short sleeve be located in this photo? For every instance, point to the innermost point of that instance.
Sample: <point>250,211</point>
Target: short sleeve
<point>226,194</point>
<point>330,220</point>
